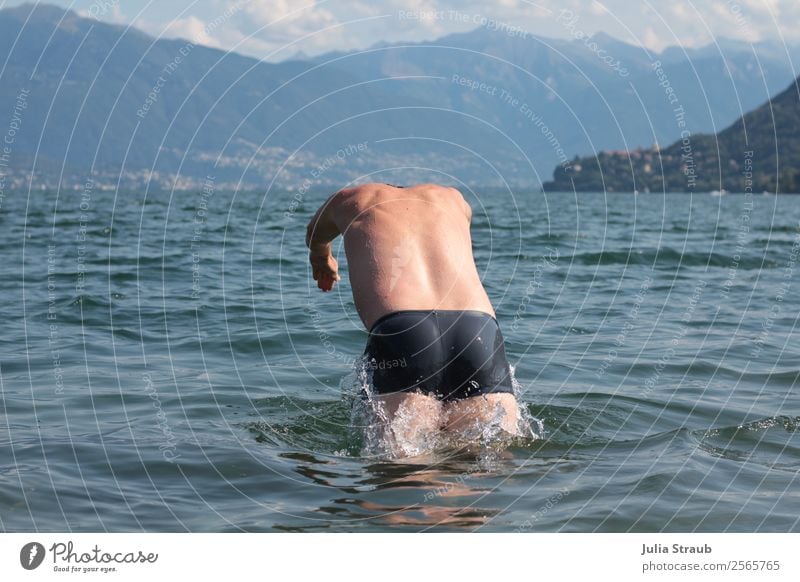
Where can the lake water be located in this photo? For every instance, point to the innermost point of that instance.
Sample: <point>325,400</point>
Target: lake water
<point>168,365</point>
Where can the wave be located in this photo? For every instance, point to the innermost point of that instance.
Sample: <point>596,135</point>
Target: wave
<point>791,424</point>
<point>668,258</point>
<point>770,442</point>
<point>698,368</point>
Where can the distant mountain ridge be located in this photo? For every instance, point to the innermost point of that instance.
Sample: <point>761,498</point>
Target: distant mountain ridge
<point>114,103</point>
<point>758,153</point>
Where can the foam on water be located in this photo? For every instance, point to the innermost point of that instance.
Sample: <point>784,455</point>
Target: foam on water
<point>407,435</point>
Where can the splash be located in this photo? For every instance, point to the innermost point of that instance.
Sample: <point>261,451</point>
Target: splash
<point>408,436</point>
<point>528,426</point>
<point>402,437</point>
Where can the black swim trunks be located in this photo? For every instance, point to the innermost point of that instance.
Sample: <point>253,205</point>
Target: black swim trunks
<point>449,354</point>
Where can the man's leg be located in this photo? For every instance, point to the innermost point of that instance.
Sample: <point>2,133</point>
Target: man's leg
<point>413,421</point>
<point>479,411</point>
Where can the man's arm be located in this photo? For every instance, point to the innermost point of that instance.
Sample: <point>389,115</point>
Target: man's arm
<point>321,230</point>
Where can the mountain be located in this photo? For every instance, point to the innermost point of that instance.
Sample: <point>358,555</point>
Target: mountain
<point>481,107</point>
<point>552,99</point>
<point>101,97</point>
<point>758,153</point>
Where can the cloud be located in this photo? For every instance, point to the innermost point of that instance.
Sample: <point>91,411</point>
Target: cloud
<point>278,29</point>
<point>598,8</point>
<point>193,29</point>
<point>280,24</point>
<point>288,18</point>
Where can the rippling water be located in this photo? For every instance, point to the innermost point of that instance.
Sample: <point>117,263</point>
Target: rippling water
<point>167,365</point>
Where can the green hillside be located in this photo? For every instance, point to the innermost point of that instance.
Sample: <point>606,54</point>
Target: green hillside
<point>760,152</point>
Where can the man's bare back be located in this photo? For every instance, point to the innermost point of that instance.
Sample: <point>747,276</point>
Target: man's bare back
<point>409,250</point>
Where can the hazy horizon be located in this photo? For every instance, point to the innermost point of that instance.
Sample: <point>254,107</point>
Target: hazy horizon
<point>270,30</point>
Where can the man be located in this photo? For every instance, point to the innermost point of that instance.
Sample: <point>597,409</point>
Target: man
<point>435,347</point>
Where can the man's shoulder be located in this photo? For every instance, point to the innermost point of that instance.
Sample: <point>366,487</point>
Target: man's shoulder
<point>384,187</point>
<point>437,187</point>
<point>347,201</point>
<point>359,190</point>
<point>369,192</point>
<point>440,192</point>
<point>349,196</point>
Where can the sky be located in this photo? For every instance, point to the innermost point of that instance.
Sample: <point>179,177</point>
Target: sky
<point>276,30</point>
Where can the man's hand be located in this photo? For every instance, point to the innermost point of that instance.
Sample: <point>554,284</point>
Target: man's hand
<point>321,230</point>
<point>325,269</point>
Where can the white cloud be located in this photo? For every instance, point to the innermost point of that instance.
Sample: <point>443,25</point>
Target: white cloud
<point>289,16</point>
<point>281,28</point>
<point>192,29</point>
<point>598,8</point>
<point>277,29</point>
